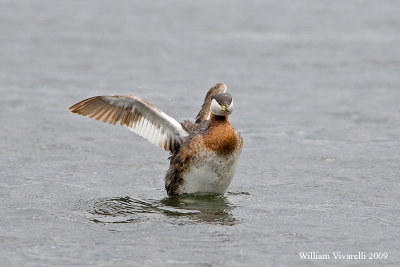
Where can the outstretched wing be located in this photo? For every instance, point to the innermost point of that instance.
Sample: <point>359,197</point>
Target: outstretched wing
<point>138,115</point>
<point>204,113</point>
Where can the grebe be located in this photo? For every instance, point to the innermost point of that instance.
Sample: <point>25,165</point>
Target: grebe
<point>204,154</point>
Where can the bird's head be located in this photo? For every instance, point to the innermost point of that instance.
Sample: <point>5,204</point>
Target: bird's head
<point>221,104</point>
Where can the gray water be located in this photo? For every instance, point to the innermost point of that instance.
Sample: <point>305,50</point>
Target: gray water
<point>316,86</point>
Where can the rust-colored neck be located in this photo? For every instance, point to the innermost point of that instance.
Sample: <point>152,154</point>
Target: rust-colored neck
<point>215,119</point>
<point>220,136</point>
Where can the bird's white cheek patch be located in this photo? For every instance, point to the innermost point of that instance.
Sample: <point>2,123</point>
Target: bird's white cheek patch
<point>216,108</point>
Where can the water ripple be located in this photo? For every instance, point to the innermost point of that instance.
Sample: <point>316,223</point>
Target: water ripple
<point>206,209</point>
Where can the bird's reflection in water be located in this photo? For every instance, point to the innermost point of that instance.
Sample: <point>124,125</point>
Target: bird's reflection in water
<point>209,209</point>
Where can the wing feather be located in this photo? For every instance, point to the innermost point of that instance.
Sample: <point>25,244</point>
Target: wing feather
<point>138,115</point>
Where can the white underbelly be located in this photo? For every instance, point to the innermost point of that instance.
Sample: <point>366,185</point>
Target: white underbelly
<point>210,173</point>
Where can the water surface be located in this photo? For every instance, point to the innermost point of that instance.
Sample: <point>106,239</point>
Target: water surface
<point>316,87</point>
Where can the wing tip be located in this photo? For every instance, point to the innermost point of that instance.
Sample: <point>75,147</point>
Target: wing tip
<point>205,108</point>
<point>221,85</point>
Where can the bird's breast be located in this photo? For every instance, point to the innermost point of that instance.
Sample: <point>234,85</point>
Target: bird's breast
<point>221,139</point>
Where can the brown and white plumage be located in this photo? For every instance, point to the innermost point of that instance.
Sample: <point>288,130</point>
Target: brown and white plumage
<point>138,115</point>
<point>204,153</point>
